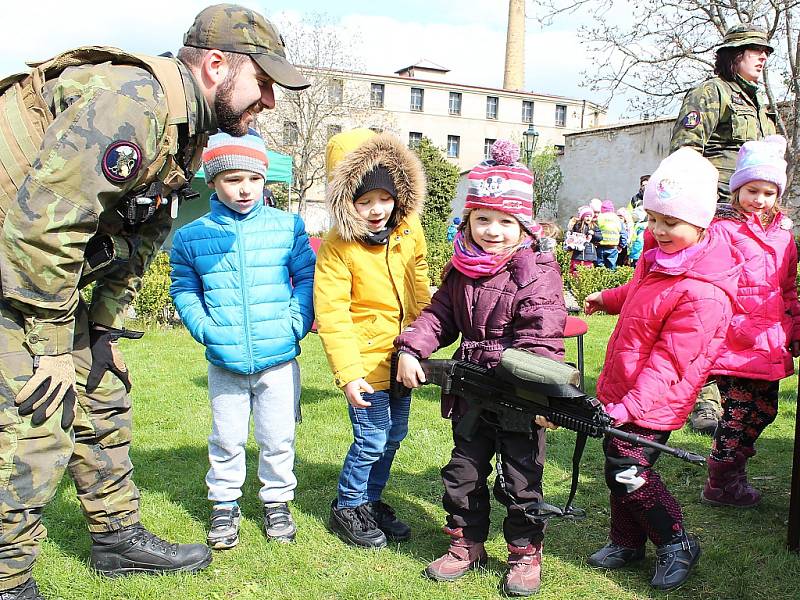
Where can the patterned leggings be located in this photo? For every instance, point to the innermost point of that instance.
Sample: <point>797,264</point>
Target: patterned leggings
<point>641,505</point>
<point>749,405</point>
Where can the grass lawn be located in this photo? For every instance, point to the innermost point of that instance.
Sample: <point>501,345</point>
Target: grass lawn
<point>744,554</point>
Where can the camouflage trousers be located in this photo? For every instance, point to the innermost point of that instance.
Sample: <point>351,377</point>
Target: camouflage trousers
<point>33,459</point>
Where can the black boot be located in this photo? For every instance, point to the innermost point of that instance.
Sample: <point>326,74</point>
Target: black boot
<point>355,526</point>
<point>133,549</point>
<point>387,521</point>
<point>24,591</point>
<point>674,561</point>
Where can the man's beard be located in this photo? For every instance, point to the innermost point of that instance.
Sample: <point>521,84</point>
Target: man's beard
<point>229,120</point>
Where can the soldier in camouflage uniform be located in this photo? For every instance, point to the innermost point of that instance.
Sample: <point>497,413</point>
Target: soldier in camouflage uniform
<point>92,156</point>
<point>716,118</point>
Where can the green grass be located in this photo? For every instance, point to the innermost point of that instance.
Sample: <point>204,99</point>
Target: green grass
<point>744,554</point>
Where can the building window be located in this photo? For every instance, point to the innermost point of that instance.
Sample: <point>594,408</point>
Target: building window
<point>527,111</point>
<point>290,133</point>
<point>559,148</point>
<point>561,115</point>
<point>417,99</point>
<point>455,103</point>
<point>414,138</point>
<point>453,146</point>
<point>376,95</point>
<point>335,91</point>
<point>491,106</point>
<point>334,130</point>
<point>487,147</point>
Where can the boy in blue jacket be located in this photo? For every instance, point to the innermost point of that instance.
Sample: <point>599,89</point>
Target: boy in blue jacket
<point>242,281</point>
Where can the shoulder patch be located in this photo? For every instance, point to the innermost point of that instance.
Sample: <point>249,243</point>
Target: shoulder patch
<point>121,161</point>
<point>691,120</point>
<point>737,99</point>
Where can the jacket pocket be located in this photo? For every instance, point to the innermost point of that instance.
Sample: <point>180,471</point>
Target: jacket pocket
<point>744,123</point>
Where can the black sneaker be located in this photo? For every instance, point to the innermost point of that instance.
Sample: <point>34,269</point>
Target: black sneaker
<point>24,591</point>
<point>703,418</point>
<point>133,549</point>
<point>614,556</point>
<point>674,561</point>
<point>278,523</point>
<point>356,527</point>
<point>224,531</point>
<point>387,521</point>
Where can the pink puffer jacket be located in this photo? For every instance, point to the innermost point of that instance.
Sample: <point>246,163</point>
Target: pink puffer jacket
<point>671,327</point>
<point>767,318</point>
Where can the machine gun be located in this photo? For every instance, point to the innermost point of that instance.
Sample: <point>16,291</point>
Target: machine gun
<point>521,387</point>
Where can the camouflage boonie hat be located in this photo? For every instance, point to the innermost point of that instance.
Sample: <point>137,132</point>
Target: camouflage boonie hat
<point>745,35</point>
<point>234,28</point>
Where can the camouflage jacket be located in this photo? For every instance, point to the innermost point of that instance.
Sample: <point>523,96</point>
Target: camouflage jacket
<point>716,118</point>
<point>108,123</point>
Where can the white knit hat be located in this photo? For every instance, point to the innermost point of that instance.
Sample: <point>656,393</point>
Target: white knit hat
<point>684,186</point>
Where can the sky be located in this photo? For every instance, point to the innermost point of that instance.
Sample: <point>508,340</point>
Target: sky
<point>467,37</point>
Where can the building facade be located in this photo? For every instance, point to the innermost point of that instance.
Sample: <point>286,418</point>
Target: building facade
<point>419,101</point>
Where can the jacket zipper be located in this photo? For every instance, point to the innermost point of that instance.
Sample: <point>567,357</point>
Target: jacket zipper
<point>243,288</point>
<point>394,286</point>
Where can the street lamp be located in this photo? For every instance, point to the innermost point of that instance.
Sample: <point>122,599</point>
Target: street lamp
<point>530,136</point>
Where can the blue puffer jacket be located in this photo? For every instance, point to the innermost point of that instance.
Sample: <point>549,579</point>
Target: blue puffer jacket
<point>231,285</point>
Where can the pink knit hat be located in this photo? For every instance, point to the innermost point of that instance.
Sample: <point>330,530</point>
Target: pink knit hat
<point>684,186</point>
<point>607,206</point>
<point>761,160</point>
<point>501,183</point>
<point>584,211</point>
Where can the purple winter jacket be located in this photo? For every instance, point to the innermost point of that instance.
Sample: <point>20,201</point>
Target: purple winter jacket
<point>521,306</point>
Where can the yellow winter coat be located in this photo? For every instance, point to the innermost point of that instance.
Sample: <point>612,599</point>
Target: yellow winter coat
<point>364,295</point>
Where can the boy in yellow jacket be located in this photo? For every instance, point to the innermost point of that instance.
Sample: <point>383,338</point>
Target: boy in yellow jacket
<point>371,281</point>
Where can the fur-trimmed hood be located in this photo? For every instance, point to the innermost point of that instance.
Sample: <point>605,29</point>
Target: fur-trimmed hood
<point>403,165</point>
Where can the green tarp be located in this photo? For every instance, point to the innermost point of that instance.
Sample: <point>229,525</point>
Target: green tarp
<point>279,171</point>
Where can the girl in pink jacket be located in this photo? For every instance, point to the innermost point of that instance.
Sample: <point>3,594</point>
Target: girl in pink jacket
<point>765,331</point>
<point>674,314</point>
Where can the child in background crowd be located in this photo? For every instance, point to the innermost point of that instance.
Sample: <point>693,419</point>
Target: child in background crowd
<point>242,279</point>
<point>637,236</point>
<point>371,281</point>
<point>765,331</point>
<point>581,239</point>
<point>497,292</point>
<point>548,236</point>
<point>626,228</point>
<point>611,230</point>
<point>674,315</point>
<point>452,229</point>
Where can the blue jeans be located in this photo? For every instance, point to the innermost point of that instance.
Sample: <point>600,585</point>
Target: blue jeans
<point>377,433</point>
<point>607,257</point>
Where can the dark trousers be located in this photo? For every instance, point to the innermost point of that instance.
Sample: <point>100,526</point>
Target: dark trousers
<point>466,493</point>
<point>749,405</point>
<point>641,505</point>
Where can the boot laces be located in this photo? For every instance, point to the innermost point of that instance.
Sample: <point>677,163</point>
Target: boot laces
<point>148,538</point>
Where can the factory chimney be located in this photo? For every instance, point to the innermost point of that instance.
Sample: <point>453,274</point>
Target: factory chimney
<point>514,75</point>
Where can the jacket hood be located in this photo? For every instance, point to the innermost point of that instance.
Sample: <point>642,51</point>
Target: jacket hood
<point>403,165</point>
<point>718,263</point>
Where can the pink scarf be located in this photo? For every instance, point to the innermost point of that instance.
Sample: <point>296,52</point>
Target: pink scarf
<point>676,259</point>
<point>471,260</point>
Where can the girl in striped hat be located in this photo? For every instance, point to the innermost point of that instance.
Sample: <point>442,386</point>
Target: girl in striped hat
<point>499,291</point>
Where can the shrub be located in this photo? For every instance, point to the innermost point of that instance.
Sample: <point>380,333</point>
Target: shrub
<point>153,304</point>
<point>588,280</point>
<point>563,257</point>
<point>439,251</point>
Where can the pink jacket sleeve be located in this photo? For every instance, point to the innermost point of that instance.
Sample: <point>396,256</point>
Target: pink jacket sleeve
<point>686,336</point>
<point>789,287</point>
<point>614,298</point>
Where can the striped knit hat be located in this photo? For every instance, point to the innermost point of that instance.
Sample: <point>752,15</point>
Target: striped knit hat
<point>501,183</point>
<point>225,153</point>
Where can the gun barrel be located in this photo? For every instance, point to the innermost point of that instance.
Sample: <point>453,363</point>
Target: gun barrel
<point>690,457</point>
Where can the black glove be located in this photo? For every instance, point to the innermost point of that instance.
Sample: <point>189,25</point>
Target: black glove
<point>52,383</point>
<point>106,355</point>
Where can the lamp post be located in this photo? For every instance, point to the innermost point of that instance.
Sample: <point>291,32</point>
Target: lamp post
<point>530,136</point>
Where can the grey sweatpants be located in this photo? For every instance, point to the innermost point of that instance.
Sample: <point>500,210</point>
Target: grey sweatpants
<point>273,397</point>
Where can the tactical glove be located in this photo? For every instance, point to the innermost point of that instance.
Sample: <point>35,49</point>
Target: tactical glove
<point>106,355</point>
<point>52,383</point>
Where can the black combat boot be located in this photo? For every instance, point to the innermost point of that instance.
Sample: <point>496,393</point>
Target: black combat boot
<point>133,549</point>
<point>387,521</point>
<point>24,591</point>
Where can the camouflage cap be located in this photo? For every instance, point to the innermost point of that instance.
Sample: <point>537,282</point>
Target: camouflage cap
<point>234,28</point>
<point>745,35</point>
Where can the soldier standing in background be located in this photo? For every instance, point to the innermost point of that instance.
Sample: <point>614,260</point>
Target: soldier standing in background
<point>716,118</point>
<point>96,145</point>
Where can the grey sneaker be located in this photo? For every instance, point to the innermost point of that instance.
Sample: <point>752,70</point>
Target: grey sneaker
<point>224,532</point>
<point>278,522</point>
